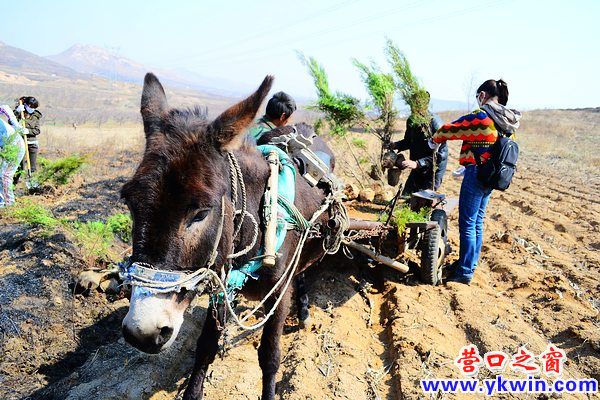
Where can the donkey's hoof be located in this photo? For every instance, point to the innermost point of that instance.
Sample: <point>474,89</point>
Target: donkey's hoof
<point>305,323</point>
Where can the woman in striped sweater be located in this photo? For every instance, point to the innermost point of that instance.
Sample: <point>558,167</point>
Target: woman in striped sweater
<point>478,131</point>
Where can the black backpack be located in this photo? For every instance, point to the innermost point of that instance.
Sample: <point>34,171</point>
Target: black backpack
<point>498,171</point>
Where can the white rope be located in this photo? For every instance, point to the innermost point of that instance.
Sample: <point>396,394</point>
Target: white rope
<point>254,237</point>
<point>237,179</point>
<point>202,274</point>
<point>332,245</point>
<point>290,272</point>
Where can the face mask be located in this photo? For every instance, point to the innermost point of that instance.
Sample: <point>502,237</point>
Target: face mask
<point>29,109</point>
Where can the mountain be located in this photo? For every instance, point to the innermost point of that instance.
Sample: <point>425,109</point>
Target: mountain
<point>95,60</point>
<point>87,83</point>
<point>98,61</point>
<point>21,63</point>
<point>102,62</point>
<point>83,94</point>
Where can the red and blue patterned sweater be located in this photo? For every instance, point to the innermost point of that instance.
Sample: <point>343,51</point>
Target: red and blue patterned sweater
<point>476,130</point>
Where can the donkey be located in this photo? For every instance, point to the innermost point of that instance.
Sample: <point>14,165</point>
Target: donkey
<point>177,196</point>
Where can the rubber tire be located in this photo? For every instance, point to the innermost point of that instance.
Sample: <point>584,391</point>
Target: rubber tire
<point>430,255</point>
<point>441,218</point>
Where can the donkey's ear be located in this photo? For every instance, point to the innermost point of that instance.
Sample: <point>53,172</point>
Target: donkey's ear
<point>154,104</point>
<point>230,127</point>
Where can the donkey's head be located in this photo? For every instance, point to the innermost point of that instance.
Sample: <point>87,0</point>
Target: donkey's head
<point>175,200</point>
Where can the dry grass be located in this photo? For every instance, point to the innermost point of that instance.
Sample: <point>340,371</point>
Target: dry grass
<point>105,147</point>
<point>563,139</point>
<point>108,138</point>
<point>570,134</point>
<point>98,100</point>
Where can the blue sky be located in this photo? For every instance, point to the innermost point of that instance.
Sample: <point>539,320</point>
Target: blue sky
<point>547,51</point>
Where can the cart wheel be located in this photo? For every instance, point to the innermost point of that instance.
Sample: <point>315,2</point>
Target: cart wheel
<point>432,256</point>
<point>441,218</point>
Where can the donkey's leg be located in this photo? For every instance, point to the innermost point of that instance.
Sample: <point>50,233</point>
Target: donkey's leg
<point>302,301</point>
<point>206,350</point>
<point>269,352</point>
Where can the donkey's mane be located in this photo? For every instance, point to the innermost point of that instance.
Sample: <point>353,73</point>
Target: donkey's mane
<point>187,130</point>
<point>186,135</point>
<point>184,130</point>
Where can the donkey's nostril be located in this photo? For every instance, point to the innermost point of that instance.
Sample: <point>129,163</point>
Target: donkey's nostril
<point>164,335</point>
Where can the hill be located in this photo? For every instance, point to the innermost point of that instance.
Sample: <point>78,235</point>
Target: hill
<point>85,95</point>
<point>19,62</point>
<point>109,64</point>
<point>102,62</point>
<point>90,84</point>
<point>98,61</point>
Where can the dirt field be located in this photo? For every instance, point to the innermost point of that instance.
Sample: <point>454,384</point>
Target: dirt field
<point>375,332</point>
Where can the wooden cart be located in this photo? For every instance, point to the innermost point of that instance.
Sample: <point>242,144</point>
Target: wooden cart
<point>382,242</point>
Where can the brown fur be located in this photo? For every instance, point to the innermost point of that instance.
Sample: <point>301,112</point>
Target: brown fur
<point>184,170</point>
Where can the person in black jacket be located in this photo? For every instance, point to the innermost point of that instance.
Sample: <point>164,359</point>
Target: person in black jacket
<point>31,123</point>
<point>420,127</point>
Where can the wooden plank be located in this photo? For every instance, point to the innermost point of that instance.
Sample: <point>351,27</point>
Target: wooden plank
<point>422,225</point>
<point>398,266</point>
<point>360,225</point>
<point>271,231</point>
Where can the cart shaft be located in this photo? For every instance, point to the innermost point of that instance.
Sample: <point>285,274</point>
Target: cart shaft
<point>359,225</point>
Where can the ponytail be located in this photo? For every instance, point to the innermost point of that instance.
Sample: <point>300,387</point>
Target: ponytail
<point>502,92</point>
<point>495,88</point>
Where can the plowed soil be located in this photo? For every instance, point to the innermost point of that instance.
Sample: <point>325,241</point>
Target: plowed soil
<point>375,333</point>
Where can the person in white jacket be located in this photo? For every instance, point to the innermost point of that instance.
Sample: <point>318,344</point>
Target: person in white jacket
<point>12,151</point>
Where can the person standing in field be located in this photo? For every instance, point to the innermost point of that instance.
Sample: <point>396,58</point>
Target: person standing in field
<point>279,110</point>
<point>12,151</point>
<point>425,172</point>
<point>31,122</point>
<point>478,131</point>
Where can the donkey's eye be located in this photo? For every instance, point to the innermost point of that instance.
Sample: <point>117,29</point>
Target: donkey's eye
<point>200,216</point>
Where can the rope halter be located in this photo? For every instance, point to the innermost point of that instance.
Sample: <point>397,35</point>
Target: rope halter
<point>164,281</point>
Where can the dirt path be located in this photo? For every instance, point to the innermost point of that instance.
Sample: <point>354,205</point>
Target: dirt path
<point>537,282</point>
<point>335,358</point>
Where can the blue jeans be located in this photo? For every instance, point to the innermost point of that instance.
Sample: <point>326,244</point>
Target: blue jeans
<point>472,202</point>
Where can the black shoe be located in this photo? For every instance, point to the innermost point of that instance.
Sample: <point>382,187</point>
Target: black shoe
<point>449,269</point>
<point>464,281</point>
<point>452,267</point>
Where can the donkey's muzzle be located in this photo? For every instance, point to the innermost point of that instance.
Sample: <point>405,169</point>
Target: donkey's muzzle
<point>148,343</point>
